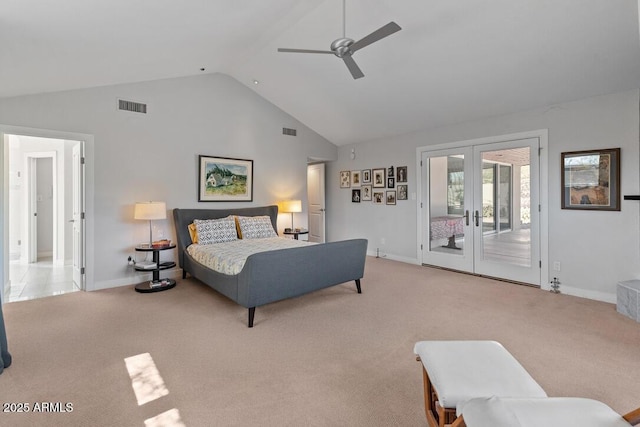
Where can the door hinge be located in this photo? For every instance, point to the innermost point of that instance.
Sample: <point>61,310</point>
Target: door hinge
<point>19,242</point>
<point>82,270</point>
<point>421,248</point>
<point>82,215</point>
<point>539,151</point>
<point>420,162</point>
<point>540,264</point>
<point>539,208</point>
<point>82,160</point>
<point>420,205</point>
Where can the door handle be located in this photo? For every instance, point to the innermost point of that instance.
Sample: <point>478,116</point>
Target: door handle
<point>477,215</point>
<point>466,217</point>
<point>71,220</point>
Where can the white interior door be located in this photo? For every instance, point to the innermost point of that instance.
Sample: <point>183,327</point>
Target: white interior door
<point>316,202</point>
<point>78,219</point>
<point>480,209</point>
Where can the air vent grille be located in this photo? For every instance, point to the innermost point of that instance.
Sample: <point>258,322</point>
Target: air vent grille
<point>289,131</point>
<point>135,107</point>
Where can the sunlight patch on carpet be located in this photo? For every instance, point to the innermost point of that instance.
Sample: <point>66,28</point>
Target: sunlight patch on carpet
<point>146,381</point>
<point>165,419</point>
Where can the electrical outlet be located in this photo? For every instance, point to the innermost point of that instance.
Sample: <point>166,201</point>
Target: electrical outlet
<point>556,266</point>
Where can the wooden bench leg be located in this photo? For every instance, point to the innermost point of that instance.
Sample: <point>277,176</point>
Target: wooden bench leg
<point>437,416</point>
<point>358,286</point>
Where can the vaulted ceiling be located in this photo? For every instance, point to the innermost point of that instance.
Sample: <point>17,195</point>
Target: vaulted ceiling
<point>453,61</point>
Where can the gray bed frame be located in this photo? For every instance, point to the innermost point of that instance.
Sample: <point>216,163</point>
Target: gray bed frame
<point>274,275</point>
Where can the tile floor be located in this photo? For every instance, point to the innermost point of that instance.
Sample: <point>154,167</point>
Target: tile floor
<point>37,280</point>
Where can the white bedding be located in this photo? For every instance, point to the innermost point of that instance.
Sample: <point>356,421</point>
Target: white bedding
<point>229,257</point>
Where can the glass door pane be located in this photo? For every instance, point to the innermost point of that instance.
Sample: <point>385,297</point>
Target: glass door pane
<point>500,241</point>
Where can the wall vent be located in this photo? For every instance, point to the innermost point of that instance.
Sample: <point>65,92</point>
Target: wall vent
<point>135,107</point>
<point>289,131</point>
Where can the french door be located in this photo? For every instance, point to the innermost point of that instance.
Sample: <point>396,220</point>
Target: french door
<point>480,209</point>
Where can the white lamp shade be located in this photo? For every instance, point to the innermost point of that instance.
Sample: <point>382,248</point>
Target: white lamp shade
<point>150,210</point>
<point>291,206</point>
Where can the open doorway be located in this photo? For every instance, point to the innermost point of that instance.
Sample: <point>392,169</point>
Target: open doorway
<point>43,186</point>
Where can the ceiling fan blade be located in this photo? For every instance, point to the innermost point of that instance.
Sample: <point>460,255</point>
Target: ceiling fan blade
<point>303,50</point>
<point>378,34</point>
<point>356,72</point>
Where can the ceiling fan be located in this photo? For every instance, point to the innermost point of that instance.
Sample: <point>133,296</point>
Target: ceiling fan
<point>345,47</point>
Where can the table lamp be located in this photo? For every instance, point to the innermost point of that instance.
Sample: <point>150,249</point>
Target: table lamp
<point>150,211</point>
<point>291,206</point>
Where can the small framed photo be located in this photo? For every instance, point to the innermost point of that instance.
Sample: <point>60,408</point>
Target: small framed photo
<point>401,175</point>
<point>355,196</point>
<point>356,179</point>
<point>391,197</point>
<point>390,171</point>
<point>345,179</point>
<point>366,193</point>
<point>366,176</point>
<point>378,197</point>
<point>378,178</point>
<point>591,180</point>
<point>402,191</point>
<point>391,182</point>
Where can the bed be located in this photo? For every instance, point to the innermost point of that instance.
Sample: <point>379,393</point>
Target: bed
<point>268,277</point>
<point>443,227</point>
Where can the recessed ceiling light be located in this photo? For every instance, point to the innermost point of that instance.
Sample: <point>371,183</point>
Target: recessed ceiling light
<point>256,82</point>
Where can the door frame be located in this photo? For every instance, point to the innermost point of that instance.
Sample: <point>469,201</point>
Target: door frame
<point>4,197</point>
<point>543,136</point>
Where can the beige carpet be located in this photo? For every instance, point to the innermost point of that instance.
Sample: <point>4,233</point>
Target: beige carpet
<point>331,358</point>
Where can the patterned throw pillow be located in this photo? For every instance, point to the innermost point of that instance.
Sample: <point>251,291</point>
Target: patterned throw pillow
<point>256,227</point>
<point>216,230</point>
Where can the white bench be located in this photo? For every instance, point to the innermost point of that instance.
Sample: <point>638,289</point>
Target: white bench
<point>549,412</point>
<point>456,371</point>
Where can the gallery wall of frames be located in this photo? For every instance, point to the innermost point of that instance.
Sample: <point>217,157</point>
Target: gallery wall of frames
<point>382,186</point>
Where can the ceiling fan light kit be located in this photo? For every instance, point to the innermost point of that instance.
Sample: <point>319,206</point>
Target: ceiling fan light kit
<point>345,47</point>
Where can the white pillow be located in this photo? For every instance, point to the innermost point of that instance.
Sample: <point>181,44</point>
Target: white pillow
<point>256,227</point>
<point>212,231</point>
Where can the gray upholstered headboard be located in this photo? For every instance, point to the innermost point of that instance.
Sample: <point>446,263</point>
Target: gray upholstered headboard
<point>183,217</point>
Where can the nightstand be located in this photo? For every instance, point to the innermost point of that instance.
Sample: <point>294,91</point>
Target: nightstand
<point>295,234</point>
<point>156,284</point>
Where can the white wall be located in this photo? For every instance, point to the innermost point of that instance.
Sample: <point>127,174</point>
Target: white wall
<point>596,249</point>
<point>155,156</point>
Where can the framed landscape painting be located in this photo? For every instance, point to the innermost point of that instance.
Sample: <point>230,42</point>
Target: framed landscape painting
<point>223,179</point>
<point>591,180</point>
